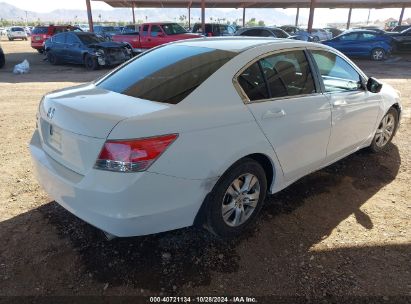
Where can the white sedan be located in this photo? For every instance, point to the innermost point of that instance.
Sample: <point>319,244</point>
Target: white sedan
<point>198,131</point>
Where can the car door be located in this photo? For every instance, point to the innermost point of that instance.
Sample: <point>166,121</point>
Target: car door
<point>366,42</point>
<point>280,91</point>
<point>144,37</point>
<point>354,109</point>
<point>406,40</point>
<point>156,36</point>
<point>347,44</point>
<point>73,48</point>
<point>58,47</point>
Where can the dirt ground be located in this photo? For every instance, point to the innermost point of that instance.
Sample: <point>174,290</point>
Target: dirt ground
<point>344,230</point>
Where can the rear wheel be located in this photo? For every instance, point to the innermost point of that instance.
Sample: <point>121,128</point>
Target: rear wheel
<point>90,62</point>
<point>236,199</point>
<point>40,51</point>
<point>52,58</point>
<point>316,39</point>
<point>378,54</point>
<point>385,131</point>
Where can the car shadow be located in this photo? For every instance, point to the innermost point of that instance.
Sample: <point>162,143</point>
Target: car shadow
<point>279,249</point>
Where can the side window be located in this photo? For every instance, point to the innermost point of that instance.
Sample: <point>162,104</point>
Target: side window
<point>337,74</point>
<point>250,33</point>
<point>155,30</point>
<point>253,84</point>
<point>349,37</point>
<point>265,33</point>
<point>367,36</point>
<point>288,74</point>
<point>230,30</point>
<point>71,39</point>
<point>145,30</point>
<point>61,38</point>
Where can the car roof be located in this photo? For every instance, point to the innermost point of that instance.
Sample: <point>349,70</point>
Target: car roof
<point>237,43</point>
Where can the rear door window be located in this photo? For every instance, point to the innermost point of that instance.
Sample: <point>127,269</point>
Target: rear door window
<point>155,30</point>
<point>288,74</point>
<point>253,84</point>
<point>167,74</point>
<point>60,38</point>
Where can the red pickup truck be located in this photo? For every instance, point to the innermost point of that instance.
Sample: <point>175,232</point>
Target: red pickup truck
<point>153,34</point>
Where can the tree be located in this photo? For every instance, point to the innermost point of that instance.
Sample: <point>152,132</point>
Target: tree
<point>251,22</point>
<point>261,23</point>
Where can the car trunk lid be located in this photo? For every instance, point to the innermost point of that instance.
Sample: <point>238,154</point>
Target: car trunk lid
<point>75,122</point>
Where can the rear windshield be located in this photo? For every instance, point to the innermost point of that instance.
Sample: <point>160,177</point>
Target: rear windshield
<point>40,30</point>
<point>17,29</point>
<point>90,39</point>
<point>167,74</point>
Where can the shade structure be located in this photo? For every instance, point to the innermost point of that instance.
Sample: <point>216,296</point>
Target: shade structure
<point>261,3</point>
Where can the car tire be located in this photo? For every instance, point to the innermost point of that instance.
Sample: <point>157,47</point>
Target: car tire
<point>378,54</point>
<point>90,62</point>
<point>52,58</point>
<point>232,206</point>
<point>40,51</point>
<point>2,60</point>
<point>385,131</point>
<point>316,39</point>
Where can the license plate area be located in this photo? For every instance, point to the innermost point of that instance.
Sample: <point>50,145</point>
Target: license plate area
<point>37,38</point>
<point>52,135</point>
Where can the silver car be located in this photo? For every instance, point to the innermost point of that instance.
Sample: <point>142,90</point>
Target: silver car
<point>16,32</point>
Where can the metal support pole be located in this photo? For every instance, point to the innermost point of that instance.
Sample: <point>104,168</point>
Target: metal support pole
<point>401,15</point>
<point>349,18</point>
<point>189,17</point>
<point>203,17</point>
<point>132,10</point>
<point>89,16</point>
<point>297,16</point>
<point>311,17</point>
<point>243,16</point>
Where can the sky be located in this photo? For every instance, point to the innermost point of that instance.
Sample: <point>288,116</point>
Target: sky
<point>322,16</point>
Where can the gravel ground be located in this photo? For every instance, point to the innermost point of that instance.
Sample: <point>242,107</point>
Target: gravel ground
<point>344,230</point>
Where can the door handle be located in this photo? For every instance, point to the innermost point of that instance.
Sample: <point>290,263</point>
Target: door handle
<point>277,113</point>
<point>339,102</point>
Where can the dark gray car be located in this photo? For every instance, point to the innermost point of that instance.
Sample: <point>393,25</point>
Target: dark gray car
<point>262,31</point>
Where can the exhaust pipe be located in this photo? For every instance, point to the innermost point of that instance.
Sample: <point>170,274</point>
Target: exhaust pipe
<point>109,236</point>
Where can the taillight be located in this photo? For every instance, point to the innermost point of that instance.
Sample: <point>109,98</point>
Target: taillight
<point>44,36</point>
<point>132,155</point>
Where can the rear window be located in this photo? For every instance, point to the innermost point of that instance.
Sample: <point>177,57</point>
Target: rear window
<point>40,30</point>
<point>167,74</point>
<point>17,29</point>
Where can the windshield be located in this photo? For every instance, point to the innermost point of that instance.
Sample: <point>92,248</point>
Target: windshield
<point>90,39</point>
<point>173,29</point>
<point>108,29</point>
<point>40,30</point>
<point>167,74</point>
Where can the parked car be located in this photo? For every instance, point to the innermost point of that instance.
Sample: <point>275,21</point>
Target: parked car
<point>371,28</point>
<point>169,140</point>
<point>106,32</point>
<point>214,29</point>
<point>361,43</point>
<point>299,33</point>
<point>402,40</point>
<point>334,31</point>
<point>262,31</point>
<point>130,28</point>
<point>41,33</point>
<point>2,58</point>
<point>320,35</point>
<point>16,32</point>
<point>154,34</point>
<point>85,48</point>
<point>400,28</point>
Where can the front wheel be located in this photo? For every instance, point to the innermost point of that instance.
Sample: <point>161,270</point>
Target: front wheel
<point>378,54</point>
<point>90,62</point>
<point>52,58</point>
<point>385,131</point>
<point>236,199</point>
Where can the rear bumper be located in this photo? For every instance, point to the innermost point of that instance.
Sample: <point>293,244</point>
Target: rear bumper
<point>37,45</point>
<point>122,204</point>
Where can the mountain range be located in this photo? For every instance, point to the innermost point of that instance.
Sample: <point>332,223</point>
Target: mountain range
<point>270,16</point>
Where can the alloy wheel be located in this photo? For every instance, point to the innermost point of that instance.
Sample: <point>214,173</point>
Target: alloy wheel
<point>240,200</point>
<point>385,130</point>
<point>378,54</point>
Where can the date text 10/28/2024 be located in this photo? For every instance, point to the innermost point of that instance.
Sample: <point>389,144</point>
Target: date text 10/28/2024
<point>198,299</point>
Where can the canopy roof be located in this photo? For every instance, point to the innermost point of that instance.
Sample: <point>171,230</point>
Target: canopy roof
<point>260,3</point>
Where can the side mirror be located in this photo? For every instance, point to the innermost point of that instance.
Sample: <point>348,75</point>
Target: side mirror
<point>373,85</point>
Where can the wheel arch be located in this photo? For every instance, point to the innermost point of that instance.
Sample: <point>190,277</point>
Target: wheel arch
<point>269,170</point>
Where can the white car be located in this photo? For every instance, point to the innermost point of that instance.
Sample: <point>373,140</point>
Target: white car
<point>320,35</point>
<point>16,32</point>
<point>198,131</point>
